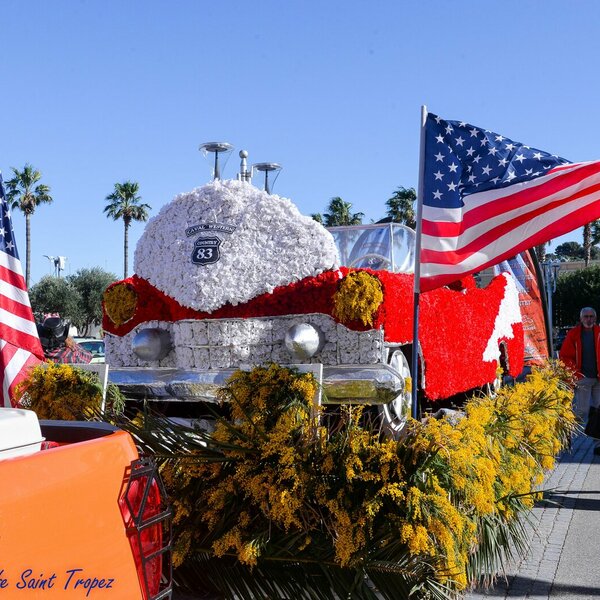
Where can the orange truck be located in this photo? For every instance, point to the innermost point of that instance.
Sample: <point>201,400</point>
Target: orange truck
<point>81,514</point>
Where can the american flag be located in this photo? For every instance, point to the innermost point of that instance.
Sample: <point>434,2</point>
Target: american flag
<point>487,198</point>
<point>20,346</point>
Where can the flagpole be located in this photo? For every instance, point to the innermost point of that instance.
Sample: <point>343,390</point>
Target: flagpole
<point>417,276</point>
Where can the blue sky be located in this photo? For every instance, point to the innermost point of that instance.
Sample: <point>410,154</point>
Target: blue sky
<point>97,92</point>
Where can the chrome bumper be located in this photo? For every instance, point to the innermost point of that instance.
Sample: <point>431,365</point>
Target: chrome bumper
<point>368,384</point>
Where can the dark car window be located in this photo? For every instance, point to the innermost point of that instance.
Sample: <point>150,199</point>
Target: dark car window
<point>93,347</point>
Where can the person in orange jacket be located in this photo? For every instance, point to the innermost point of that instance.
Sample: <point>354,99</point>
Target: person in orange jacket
<point>581,352</point>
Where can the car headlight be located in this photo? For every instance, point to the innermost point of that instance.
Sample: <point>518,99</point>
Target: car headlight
<point>151,344</point>
<point>303,340</point>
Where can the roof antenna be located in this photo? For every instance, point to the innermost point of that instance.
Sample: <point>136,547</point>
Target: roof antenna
<point>267,168</point>
<point>244,174</point>
<point>216,147</point>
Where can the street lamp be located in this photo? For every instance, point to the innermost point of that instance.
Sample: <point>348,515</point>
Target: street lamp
<point>551,269</point>
<point>58,262</point>
<point>50,259</point>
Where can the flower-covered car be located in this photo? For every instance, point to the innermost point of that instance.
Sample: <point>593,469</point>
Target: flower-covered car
<point>228,276</point>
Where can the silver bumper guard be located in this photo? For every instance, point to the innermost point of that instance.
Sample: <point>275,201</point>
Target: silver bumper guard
<point>367,384</point>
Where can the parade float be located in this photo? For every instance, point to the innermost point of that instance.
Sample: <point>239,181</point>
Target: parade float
<point>228,277</point>
<point>232,287</point>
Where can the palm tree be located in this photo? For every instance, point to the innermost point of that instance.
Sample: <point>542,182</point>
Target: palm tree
<point>401,207</point>
<point>587,242</point>
<point>339,214</point>
<point>124,203</point>
<point>590,238</point>
<point>540,251</point>
<point>24,194</point>
<point>595,232</point>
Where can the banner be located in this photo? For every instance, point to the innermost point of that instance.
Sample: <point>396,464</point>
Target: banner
<point>531,303</point>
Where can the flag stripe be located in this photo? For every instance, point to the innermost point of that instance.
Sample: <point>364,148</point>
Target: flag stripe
<point>15,299</point>
<point>16,325</point>
<point>456,249</point>
<point>538,233</point>
<point>496,203</point>
<point>19,323</point>
<point>20,346</point>
<point>14,280</point>
<point>17,363</point>
<point>7,351</point>
<point>14,265</point>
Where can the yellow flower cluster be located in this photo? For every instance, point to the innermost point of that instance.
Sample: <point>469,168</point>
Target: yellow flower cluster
<point>358,298</point>
<point>120,302</point>
<point>266,443</point>
<point>65,392</point>
<point>491,462</point>
<point>273,476</point>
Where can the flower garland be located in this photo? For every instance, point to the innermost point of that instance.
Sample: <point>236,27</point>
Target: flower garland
<point>461,328</point>
<point>228,242</point>
<point>310,295</point>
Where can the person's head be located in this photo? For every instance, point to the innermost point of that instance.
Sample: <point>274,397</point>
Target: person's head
<point>587,316</point>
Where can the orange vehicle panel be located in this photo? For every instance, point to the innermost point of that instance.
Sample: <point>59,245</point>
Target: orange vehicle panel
<point>61,530</point>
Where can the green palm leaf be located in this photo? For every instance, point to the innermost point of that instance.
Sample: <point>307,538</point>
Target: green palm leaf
<point>124,203</point>
<point>23,194</point>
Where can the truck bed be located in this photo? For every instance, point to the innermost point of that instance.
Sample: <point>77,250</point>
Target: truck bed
<point>62,527</point>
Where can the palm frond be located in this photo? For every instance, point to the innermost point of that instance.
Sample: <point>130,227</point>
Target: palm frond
<point>164,438</point>
<point>499,541</point>
<point>301,580</point>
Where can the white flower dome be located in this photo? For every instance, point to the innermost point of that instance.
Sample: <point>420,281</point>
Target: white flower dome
<point>230,242</point>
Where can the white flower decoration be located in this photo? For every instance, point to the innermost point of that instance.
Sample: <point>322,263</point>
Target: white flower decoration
<point>230,242</point>
<point>509,313</point>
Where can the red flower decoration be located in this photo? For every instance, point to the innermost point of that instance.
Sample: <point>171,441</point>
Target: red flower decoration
<point>454,329</point>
